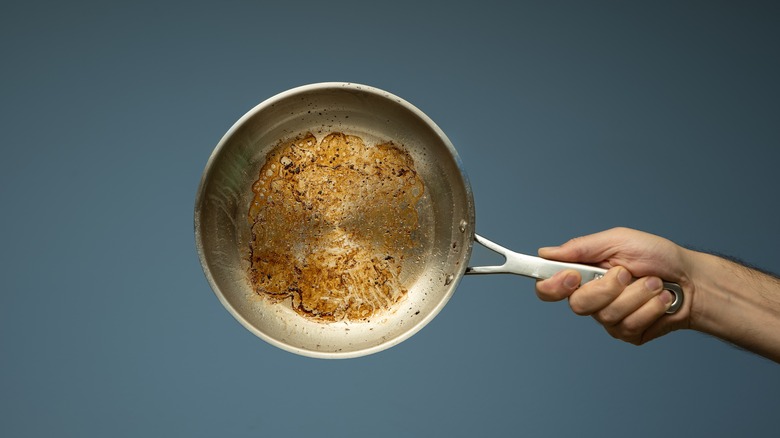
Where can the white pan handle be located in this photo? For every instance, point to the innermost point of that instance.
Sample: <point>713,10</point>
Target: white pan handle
<point>542,269</point>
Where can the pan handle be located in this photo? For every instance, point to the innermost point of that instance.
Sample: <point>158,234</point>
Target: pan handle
<point>542,269</point>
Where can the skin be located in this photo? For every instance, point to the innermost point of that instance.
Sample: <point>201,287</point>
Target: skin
<point>722,298</point>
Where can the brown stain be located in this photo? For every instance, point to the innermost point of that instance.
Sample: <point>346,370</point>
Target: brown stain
<point>331,221</point>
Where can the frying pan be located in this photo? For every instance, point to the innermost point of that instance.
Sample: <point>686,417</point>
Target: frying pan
<point>432,269</point>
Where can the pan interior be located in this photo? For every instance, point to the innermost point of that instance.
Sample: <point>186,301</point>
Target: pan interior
<point>335,227</point>
<point>445,214</point>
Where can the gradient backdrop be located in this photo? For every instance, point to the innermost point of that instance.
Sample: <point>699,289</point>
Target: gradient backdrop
<point>570,117</point>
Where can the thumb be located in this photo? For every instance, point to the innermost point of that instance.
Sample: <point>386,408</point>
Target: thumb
<point>592,248</point>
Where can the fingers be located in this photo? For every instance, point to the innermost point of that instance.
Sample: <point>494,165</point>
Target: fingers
<point>662,326</point>
<point>596,295</point>
<point>633,311</point>
<point>587,249</point>
<point>629,310</point>
<point>559,286</point>
<point>635,327</point>
<point>630,300</point>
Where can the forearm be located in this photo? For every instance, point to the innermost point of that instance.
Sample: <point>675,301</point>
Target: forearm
<point>736,303</point>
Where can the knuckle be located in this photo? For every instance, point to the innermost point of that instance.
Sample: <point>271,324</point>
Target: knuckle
<point>618,333</point>
<point>573,248</point>
<point>631,329</point>
<point>635,341</point>
<point>614,332</point>
<point>577,305</point>
<point>607,317</point>
<point>592,297</point>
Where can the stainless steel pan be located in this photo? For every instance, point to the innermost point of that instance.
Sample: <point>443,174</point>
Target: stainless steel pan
<point>446,218</point>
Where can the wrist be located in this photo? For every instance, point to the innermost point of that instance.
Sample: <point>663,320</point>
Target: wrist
<point>709,286</point>
<point>733,302</point>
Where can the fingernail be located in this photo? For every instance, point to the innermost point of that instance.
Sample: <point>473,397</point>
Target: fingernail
<point>653,283</point>
<point>624,277</point>
<point>571,281</point>
<point>666,298</point>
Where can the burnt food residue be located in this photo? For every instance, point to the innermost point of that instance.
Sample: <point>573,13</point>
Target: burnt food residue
<point>331,221</point>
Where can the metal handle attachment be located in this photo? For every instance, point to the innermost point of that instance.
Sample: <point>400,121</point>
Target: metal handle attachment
<point>542,269</point>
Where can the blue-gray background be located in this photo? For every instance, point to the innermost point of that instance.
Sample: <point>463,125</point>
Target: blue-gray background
<point>570,117</point>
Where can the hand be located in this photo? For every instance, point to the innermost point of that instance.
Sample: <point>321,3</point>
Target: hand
<point>630,309</point>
